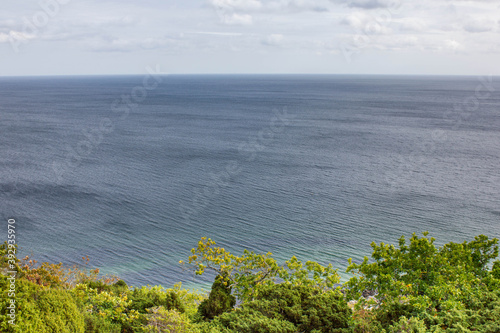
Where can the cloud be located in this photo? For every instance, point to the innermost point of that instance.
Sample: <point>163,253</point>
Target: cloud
<point>7,24</point>
<point>112,44</point>
<point>103,22</point>
<point>299,5</point>
<point>369,4</point>
<point>16,35</point>
<point>452,45</point>
<point>215,33</point>
<point>397,43</point>
<point>272,40</point>
<point>234,12</point>
<point>115,45</point>
<point>237,5</point>
<point>412,25</point>
<point>366,24</point>
<point>476,25</point>
<point>237,19</point>
<point>4,37</point>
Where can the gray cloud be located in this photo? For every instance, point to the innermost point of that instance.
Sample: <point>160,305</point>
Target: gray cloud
<point>368,4</point>
<point>371,4</point>
<point>476,25</point>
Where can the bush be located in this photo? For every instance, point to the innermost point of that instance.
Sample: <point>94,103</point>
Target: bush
<point>99,324</point>
<point>117,288</point>
<point>307,307</point>
<point>219,301</point>
<point>247,320</point>
<point>405,325</point>
<point>148,297</point>
<point>290,308</point>
<point>446,287</point>
<point>169,321</point>
<point>41,310</point>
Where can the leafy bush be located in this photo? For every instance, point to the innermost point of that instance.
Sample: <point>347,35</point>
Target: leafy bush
<point>100,324</point>
<point>247,320</point>
<point>307,307</point>
<point>169,321</point>
<point>147,297</point>
<point>117,288</point>
<point>40,309</point>
<point>219,301</point>
<point>405,325</point>
<point>445,287</point>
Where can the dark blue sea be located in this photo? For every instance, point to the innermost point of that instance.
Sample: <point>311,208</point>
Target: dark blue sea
<point>133,170</point>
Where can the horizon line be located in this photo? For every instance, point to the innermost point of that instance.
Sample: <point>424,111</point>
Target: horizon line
<point>246,74</point>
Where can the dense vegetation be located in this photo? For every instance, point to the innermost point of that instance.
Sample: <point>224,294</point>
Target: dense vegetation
<point>415,287</point>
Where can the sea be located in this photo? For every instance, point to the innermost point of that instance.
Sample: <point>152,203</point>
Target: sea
<point>132,171</point>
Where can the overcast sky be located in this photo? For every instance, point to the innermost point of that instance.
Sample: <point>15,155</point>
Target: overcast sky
<point>63,37</point>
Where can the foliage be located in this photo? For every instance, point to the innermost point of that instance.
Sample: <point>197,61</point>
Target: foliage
<point>244,273</point>
<point>111,307</point>
<point>248,320</point>
<point>307,307</point>
<point>147,297</point>
<point>219,301</point>
<point>100,324</point>
<point>412,325</point>
<point>119,287</point>
<point>170,321</point>
<point>418,287</point>
<point>445,287</point>
<point>190,299</point>
<point>40,309</point>
<point>59,276</point>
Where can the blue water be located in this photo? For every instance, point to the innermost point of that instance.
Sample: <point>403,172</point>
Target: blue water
<point>313,166</point>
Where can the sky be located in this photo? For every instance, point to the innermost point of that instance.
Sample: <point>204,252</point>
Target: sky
<point>97,37</point>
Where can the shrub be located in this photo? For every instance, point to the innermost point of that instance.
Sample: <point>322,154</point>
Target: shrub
<point>290,308</point>
<point>99,324</point>
<point>405,325</point>
<point>444,286</point>
<point>116,288</point>
<point>170,321</point>
<point>247,320</point>
<point>307,307</point>
<point>41,310</point>
<point>219,301</point>
<point>147,297</point>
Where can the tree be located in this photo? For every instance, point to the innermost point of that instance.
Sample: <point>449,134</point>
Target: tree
<point>244,273</point>
<point>445,286</point>
<point>219,301</point>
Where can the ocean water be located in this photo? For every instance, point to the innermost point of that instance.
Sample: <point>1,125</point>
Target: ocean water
<point>133,170</point>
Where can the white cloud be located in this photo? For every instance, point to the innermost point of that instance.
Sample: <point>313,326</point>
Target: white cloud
<point>237,4</point>
<point>273,40</point>
<point>412,24</point>
<point>372,4</point>
<point>115,45</point>
<point>237,19</point>
<point>299,5</point>
<point>215,33</point>
<point>453,45</point>
<point>4,37</point>
<point>21,36</point>
<point>367,24</point>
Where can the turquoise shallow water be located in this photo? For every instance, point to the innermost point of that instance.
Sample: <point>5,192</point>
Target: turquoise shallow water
<point>312,166</point>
